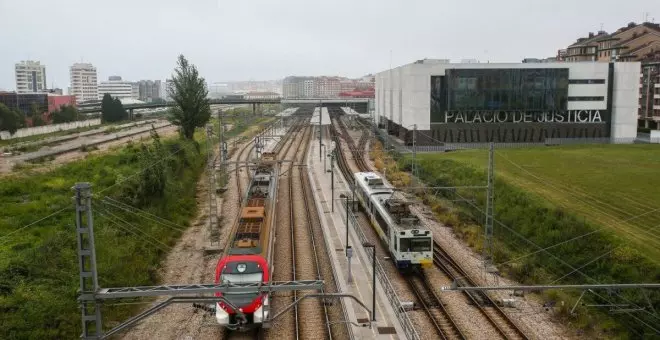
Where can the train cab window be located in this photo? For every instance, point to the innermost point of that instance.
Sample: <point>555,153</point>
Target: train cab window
<point>404,244</point>
<point>416,244</point>
<point>421,244</point>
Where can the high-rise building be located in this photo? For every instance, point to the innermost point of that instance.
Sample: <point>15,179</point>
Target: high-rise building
<point>149,90</point>
<point>168,84</point>
<point>116,87</point>
<point>84,83</point>
<point>135,90</point>
<point>30,77</point>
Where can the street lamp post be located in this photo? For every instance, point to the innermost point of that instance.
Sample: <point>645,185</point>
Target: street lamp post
<point>373,279</point>
<point>332,178</point>
<point>342,196</point>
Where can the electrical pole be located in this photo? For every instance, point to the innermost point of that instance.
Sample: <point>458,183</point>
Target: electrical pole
<point>488,232</point>
<point>92,327</point>
<point>320,127</point>
<point>332,177</point>
<point>414,156</point>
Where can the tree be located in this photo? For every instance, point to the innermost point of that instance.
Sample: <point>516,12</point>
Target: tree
<point>106,108</point>
<point>120,112</point>
<point>189,92</point>
<point>10,120</point>
<point>112,110</point>
<point>65,114</point>
<point>38,120</point>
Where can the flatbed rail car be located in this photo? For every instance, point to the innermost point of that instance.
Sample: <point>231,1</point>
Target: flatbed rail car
<point>409,242</point>
<point>249,253</point>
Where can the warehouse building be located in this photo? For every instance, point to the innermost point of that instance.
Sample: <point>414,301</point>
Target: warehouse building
<point>526,102</point>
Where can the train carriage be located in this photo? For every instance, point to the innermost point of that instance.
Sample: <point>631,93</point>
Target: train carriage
<point>408,241</point>
<point>248,256</point>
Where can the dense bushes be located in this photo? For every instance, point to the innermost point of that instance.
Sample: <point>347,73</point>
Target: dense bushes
<point>38,266</point>
<point>535,224</point>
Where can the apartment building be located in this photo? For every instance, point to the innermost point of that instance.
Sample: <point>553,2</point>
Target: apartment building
<point>30,77</point>
<point>584,49</point>
<point>631,43</point>
<point>84,82</point>
<point>324,86</point>
<point>327,87</point>
<point>149,90</point>
<point>634,42</point>
<point>116,87</point>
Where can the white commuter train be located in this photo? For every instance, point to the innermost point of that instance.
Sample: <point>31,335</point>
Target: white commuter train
<point>410,244</point>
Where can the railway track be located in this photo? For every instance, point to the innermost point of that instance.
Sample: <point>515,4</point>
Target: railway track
<point>298,249</point>
<point>242,156</point>
<point>357,152</point>
<point>423,290</point>
<point>287,326</point>
<point>432,305</point>
<point>495,315</point>
<point>306,258</point>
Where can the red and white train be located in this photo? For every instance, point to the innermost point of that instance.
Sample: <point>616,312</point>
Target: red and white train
<point>248,257</point>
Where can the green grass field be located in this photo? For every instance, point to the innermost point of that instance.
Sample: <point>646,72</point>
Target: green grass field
<point>614,187</point>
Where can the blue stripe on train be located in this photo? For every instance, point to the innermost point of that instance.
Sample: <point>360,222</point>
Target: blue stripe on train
<point>403,264</point>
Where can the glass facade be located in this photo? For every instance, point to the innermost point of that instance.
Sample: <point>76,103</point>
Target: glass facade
<point>24,101</point>
<point>543,89</point>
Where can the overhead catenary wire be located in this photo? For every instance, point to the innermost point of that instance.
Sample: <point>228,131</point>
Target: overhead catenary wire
<point>141,213</point>
<point>98,193</point>
<point>128,230</point>
<point>29,225</point>
<point>568,241</point>
<point>148,238</point>
<point>605,213</point>
<point>566,264</point>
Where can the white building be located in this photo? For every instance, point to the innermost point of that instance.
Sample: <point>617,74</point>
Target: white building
<point>526,102</point>
<point>83,82</point>
<point>308,89</point>
<point>135,90</point>
<point>30,77</point>
<point>116,87</point>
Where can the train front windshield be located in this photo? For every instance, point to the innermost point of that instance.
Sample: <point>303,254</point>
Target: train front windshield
<point>417,244</point>
<point>241,272</point>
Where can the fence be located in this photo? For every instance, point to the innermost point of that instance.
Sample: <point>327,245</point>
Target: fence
<point>38,130</point>
<point>397,145</point>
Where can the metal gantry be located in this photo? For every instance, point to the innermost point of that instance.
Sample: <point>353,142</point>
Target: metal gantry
<point>213,230</point>
<point>92,295</point>
<point>89,282</point>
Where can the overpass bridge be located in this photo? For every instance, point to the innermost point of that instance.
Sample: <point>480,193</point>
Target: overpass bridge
<point>357,102</point>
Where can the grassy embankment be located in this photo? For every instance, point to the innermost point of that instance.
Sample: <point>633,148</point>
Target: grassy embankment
<point>38,264</point>
<point>601,195</point>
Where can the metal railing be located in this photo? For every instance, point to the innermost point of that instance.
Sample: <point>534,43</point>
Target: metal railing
<point>395,302</point>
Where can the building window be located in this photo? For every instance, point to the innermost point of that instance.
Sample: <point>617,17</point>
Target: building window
<point>586,81</point>
<point>507,89</point>
<point>586,99</point>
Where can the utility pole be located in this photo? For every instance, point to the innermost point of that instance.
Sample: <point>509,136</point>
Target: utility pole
<point>488,232</point>
<point>92,327</point>
<point>320,127</point>
<point>414,156</point>
<point>213,206</point>
<point>332,177</point>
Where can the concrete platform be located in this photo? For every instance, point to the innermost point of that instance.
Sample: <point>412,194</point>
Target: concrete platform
<point>334,228</point>
<point>325,117</point>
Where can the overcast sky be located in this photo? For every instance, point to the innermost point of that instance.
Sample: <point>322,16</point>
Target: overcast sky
<point>270,39</point>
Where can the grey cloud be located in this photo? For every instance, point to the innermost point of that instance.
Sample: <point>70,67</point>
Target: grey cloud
<point>261,39</point>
